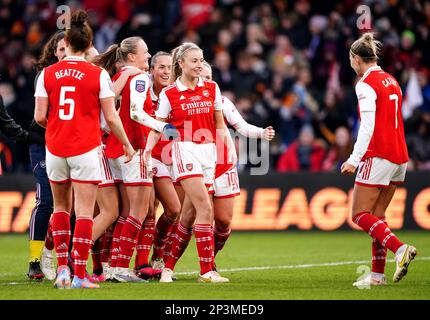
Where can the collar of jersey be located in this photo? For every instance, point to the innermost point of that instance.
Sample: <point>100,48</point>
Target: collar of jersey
<point>74,58</point>
<point>374,68</point>
<point>152,93</point>
<point>181,87</point>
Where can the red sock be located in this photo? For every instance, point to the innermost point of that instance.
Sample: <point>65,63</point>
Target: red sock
<point>128,241</point>
<point>144,242</point>
<point>180,243</point>
<point>106,245</point>
<point>115,240</point>
<point>162,233</point>
<point>169,241</point>
<point>96,253</point>
<point>49,240</point>
<point>221,237</point>
<point>377,229</point>
<point>379,254</point>
<point>204,236</point>
<point>61,235</point>
<point>82,244</point>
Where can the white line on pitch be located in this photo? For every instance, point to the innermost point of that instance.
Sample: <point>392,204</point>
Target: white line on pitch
<point>295,266</point>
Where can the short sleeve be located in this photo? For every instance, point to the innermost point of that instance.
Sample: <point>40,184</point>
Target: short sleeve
<point>218,99</point>
<point>366,96</point>
<point>164,107</point>
<point>40,86</point>
<point>106,87</point>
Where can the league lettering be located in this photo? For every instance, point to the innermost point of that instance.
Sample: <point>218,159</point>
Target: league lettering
<point>69,73</point>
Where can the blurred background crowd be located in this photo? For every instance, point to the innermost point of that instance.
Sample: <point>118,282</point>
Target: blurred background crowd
<point>283,63</point>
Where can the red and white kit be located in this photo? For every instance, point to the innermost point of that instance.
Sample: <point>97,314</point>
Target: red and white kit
<point>132,106</point>
<point>162,152</point>
<point>74,87</point>
<point>192,113</point>
<point>380,152</point>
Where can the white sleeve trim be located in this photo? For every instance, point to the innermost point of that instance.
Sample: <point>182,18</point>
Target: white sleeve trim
<point>137,102</point>
<point>365,133</point>
<point>366,96</point>
<point>164,107</point>
<point>218,99</point>
<point>106,87</point>
<point>234,118</point>
<point>40,86</point>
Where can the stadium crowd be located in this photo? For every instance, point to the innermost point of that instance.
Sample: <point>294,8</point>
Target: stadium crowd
<point>283,63</point>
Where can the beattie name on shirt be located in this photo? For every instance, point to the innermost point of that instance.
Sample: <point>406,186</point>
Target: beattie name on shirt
<point>197,107</point>
<point>69,73</point>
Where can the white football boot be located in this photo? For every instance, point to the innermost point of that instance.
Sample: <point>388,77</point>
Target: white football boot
<point>212,277</point>
<point>166,275</point>
<point>404,255</point>
<point>47,264</point>
<point>370,280</point>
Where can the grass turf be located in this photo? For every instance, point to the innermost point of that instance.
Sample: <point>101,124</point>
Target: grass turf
<point>308,279</point>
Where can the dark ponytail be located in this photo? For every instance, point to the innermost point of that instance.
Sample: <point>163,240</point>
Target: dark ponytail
<point>80,34</point>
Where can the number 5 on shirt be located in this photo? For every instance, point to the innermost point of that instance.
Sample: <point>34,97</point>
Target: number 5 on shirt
<point>69,101</point>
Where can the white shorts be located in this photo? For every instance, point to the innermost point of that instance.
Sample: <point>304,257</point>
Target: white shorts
<point>379,172</point>
<point>84,168</point>
<point>227,185</point>
<point>133,173</point>
<point>161,170</point>
<point>106,171</point>
<point>194,160</point>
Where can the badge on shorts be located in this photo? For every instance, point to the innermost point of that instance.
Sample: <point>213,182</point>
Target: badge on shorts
<point>154,171</point>
<point>140,86</point>
<point>189,166</point>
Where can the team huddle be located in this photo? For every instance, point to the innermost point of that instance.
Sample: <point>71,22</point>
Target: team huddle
<point>162,141</point>
<point>124,136</point>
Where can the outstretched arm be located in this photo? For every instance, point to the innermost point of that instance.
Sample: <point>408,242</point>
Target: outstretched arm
<point>234,118</point>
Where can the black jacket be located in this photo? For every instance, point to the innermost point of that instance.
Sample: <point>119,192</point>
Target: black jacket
<point>12,130</point>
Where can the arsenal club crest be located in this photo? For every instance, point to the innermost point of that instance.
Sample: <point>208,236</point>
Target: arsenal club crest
<point>189,166</point>
<point>206,93</point>
<point>154,171</point>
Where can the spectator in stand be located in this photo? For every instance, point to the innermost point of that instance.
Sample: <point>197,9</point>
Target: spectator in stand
<point>305,154</point>
<point>419,144</point>
<point>339,151</point>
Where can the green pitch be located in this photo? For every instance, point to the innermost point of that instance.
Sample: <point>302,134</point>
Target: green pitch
<point>278,265</point>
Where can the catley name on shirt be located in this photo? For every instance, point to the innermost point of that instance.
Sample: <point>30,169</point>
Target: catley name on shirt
<point>69,73</point>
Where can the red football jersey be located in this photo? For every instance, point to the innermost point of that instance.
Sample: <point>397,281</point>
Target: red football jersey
<point>388,139</point>
<point>191,111</point>
<point>74,88</point>
<point>136,89</point>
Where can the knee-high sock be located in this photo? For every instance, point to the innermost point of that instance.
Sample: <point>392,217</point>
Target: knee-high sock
<point>205,250</point>
<point>82,244</point>
<point>61,234</point>
<point>128,241</point>
<point>379,254</point>
<point>161,235</point>
<point>377,229</point>
<point>115,240</point>
<point>144,242</point>
<point>180,242</point>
